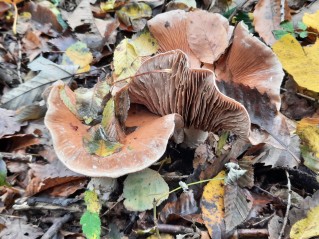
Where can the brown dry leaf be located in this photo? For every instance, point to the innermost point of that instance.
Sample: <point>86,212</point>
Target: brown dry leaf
<point>139,150</point>
<point>18,228</point>
<point>8,123</point>
<point>184,205</point>
<point>237,206</point>
<point>250,62</point>
<point>208,35</point>
<point>50,175</point>
<point>212,206</point>
<point>172,87</point>
<point>268,16</point>
<point>44,16</point>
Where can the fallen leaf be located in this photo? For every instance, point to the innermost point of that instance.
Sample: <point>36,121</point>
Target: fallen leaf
<point>267,17</point>
<point>308,130</point>
<point>126,60</point>
<point>78,54</point>
<point>9,123</point>
<point>142,188</point>
<point>308,227</point>
<point>19,228</point>
<point>212,206</point>
<point>91,225</point>
<point>144,43</point>
<point>184,205</point>
<point>312,20</point>
<point>237,207</point>
<point>133,15</point>
<point>300,62</point>
<point>207,45</point>
<point>26,93</point>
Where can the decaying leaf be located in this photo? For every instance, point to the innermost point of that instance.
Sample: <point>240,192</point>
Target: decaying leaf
<point>144,43</point>
<point>267,17</point>
<point>89,101</point>
<point>133,15</point>
<point>308,227</point>
<point>208,35</point>
<point>145,145</point>
<point>126,60</point>
<point>28,92</point>
<point>90,220</point>
<point>78,54</point>
<point>142,188</point>
<point>212,206</point>
<point>9,123</point>
<point>172,87</point>
<point>19,228</point>
<point>300,62</point>
<point>237,206</point>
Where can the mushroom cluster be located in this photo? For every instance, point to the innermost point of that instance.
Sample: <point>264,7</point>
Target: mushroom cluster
<point>178,88</point>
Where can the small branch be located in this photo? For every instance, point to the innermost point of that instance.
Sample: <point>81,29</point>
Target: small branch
<point>19,61</point>
<point>174,229</point>
<point>56,226</point>
<point>236,10</point>
<point>264,219</point>
<point>251,233</point>
<point>301,95</point>
<point>288,207</point>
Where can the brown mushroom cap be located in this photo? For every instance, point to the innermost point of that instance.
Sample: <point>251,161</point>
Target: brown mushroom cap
<point>140,149</point>
<point>251,63</point>
<point>170,86</point>
<point>170,31</point>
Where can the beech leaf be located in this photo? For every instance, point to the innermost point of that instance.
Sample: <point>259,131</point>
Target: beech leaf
<point>29,91</point>
<point>142,188</point>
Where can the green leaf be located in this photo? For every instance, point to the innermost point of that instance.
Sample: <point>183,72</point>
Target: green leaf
<point>302,26</point>
<point>91,225</point>
<point>287,26</point>
<point>142,188</point>
<point>3,172</point>
<point>303,34</point>
<point>279,33</point>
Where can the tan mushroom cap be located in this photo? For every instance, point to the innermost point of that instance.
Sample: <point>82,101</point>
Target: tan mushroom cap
<point>170,86</point>
<point>251,63</point>
<point>170,31</point>
<point>140,149</point>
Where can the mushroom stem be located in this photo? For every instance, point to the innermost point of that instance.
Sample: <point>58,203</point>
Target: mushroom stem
<point>194,137</point>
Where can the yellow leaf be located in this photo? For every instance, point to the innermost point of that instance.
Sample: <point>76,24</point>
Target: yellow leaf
<point>134,11</point>
<point>308,227</point>
<point>311,20</point>
<point>308,131</point>
<point>212,204</point>
<point>301,63</point>
<point>92,202</point>
<point>12,1</point>
<point>144,43</point>
<point>126,60</point>
<point>163,236</point>
<point>107,6</point>
<point>78,54</point>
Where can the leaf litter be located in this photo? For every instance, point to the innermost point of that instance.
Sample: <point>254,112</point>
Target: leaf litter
<point>141,82</point>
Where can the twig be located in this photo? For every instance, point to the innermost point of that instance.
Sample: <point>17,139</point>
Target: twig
<point>174,229</point>
<point>301,95</point>
<point>251,233</point>
<point>282,10</point>
<point>53,230</point>
<point>288,206</point>
<point>19,61</point>
<point>263,220</point>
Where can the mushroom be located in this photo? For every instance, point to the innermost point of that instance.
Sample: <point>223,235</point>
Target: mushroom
<point>250,62</point>
<point>171,86</point>
<point>133,152</point>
